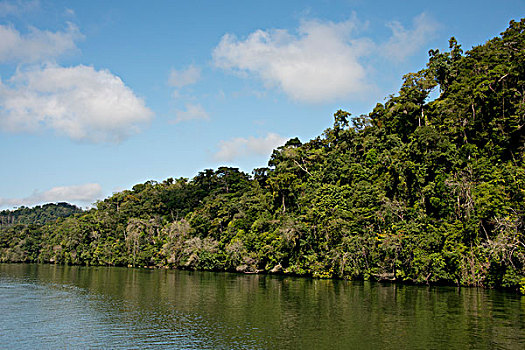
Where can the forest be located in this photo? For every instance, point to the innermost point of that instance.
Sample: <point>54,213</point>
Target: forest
<point>417,191</point>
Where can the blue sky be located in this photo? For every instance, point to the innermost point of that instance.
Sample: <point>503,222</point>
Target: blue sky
<point>96,96</point>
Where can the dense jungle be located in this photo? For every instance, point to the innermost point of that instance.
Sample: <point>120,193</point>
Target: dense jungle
<point>420,190</point>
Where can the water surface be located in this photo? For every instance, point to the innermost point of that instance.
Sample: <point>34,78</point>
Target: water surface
<point>49,307</point>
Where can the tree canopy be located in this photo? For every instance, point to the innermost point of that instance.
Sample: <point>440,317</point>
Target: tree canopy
<point>418,190</point>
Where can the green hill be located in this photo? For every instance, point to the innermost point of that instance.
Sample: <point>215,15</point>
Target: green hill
<point>416,191</point>
<point>38,215</point>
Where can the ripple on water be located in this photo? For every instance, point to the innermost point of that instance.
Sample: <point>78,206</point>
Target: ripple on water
<point>72,307</point>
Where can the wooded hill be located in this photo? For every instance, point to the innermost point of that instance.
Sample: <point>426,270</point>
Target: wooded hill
<point>38,215</point>
<point>416,191</point>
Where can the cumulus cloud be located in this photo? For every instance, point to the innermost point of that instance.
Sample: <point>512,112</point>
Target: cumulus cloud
<point>405,42</point>
<point>322,61</point>
<point>79,102</point>
<point>241,147</point>
<point>81,194</point>
<point>37,45</point>
<point>192,112</point>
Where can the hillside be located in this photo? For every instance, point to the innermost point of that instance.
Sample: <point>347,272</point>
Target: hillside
<point>38,215</point>
<point>416,191</point>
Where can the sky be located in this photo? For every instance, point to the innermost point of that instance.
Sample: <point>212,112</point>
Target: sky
<point>97,96</point>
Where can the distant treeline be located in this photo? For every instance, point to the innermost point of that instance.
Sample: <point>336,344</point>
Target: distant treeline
<point>416,191</point>
<point>38,215</point>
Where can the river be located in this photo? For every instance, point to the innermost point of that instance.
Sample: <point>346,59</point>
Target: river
<point>49,307</point>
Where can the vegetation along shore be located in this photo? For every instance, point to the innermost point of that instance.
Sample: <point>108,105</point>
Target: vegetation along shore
<point>419,190</point>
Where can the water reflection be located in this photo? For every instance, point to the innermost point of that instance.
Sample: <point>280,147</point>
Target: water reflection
<point>87,307</point>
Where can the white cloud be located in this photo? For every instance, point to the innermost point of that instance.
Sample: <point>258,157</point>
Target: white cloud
<point>242,147</point>
<point>37,45</point>
<point>80,102</point>
<point>69,12</point>
<point>192,112</point>
<point>405,42</point>
<point>318,64</point>
<point>185,77</point>
<point>9,8</point>
<point>323,61</point>
<point>80,194</point>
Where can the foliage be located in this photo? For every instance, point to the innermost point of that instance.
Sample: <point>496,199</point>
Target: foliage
<point>38,215</point>
<point>417,191</point>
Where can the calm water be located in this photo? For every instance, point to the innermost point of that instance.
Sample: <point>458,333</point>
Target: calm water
<point>49,307</point>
